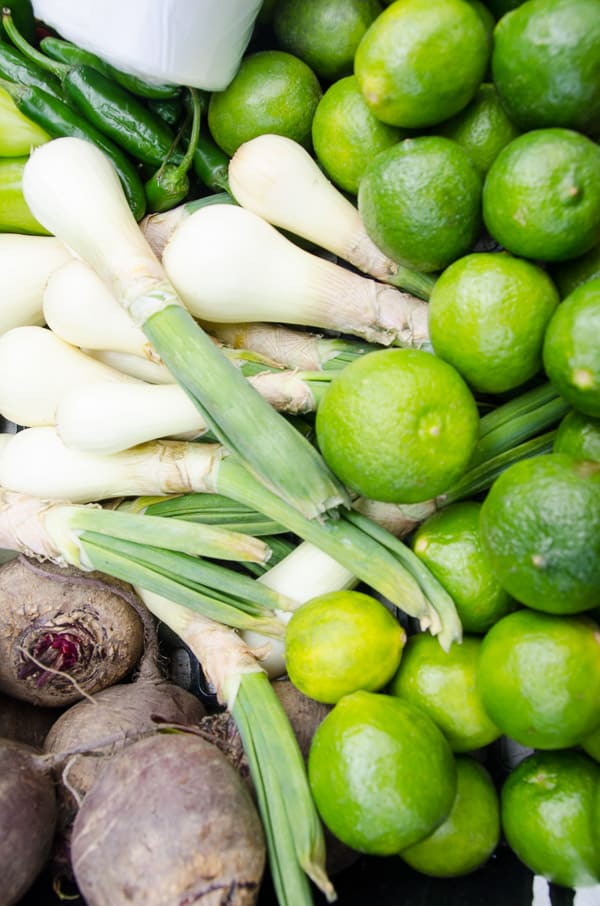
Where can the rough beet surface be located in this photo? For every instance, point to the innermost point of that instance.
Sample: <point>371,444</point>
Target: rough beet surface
<point>27,819</point>
<point>64,632</point>
<point>168,822</point>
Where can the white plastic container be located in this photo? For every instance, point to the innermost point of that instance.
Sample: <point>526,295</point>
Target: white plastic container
<point>186,42</point>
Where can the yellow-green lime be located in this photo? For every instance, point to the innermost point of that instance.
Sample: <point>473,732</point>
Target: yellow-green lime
<point>324,33</point>
<point>341,642</point>
<point>470,834</point>
<point>578,435</point>
<point>569,275</point>
<point>398,425</point>
<point>421,61</point>
<point>420,202</point>
<point>541,196</point>
<point>382,774</point>
<point>539,678</point>
<point>488,314</point>
<point>444,685</point>
<point>272,92</point>
<point>449,543</point>
<point>346,135</point>
<point>540,528</point>
<point>546,64</point>
<point>548,816</point>
<point>482,128</point>
<point>572,349</point>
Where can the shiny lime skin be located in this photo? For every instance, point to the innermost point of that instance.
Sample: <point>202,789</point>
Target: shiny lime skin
<point>541,196</point>
<point>421,61</point>
<point>546,64</point>
<point>571,350</point>
<point>470,833</point>
<point>547,808</point>
<point>488,315</point>
<point>482,128</point>
<point>444,685</point>
<point>578,436</point>
<point>539,678</point>
<point>449,543</point>
<point>340,642</point>
<point>420,201</point>
<point>540,528</point>
<point>382,774</point>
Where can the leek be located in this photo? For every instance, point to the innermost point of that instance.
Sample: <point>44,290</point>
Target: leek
<point>164,467</point>
<point>67,178</point>
<point>293,831</point>
<point>161,555</point>
<point>230,265</point>
<point>276,178</point>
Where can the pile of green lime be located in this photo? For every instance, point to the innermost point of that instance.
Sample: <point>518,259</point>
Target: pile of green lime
<point>464,135</point>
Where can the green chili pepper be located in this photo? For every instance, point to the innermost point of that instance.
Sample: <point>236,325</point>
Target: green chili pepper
<point>170,110</point>
<point>211,164</point>
<point>15,216</point>
<point>110,108</point>
<point>66,52</point>
<point>170,184</point>
<point>22,13</point>
<point>58,119</point>
<point>17,68</point>
<point>18,134</point>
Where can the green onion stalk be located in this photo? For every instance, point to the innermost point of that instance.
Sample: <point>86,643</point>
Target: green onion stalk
<point>293,831</point>
<point>73,190</point>
<point>165,556</point>
<point>171,467</point>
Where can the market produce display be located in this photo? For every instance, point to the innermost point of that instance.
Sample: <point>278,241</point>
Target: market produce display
<point>301,377</point>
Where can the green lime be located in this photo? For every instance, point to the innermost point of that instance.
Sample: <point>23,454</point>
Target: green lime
<point>487,19</point>
<point>578,435</point>
<point>443,684</point>
<point>541,196</point>
<point>420,202</point>
<point>540,528</point>
<point>569,275</point>
<point>482,128</point>
<point>449,543</point>
<point>547,809</point>
<point>421,61</point>
<point>272,92</point>
<point>539,678</point>
<point>381,773</point>
<point>572,349</point>
<point>546,64</point>
<point>488,314</point>
<point>346,135</point>
<point>324,33</point>
<point>470,833</point>
<point>341,642</point>
<point>398,425</point>
<point>591,744</point>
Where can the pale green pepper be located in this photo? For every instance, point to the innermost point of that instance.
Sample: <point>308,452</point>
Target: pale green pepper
<point>18,134</point>
<point>15,216</point>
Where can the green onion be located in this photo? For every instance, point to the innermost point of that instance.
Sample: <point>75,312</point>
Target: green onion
<point>92,538</point>
<point>64,182</point>
<point>292,828</point>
